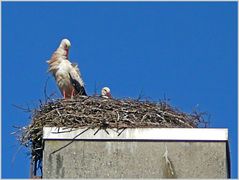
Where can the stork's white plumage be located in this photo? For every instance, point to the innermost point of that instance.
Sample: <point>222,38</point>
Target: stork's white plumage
<point>105,92</point>
<point>66,74</point>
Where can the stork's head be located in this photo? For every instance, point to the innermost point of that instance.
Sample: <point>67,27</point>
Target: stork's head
<point>105,92</point>
<point>65,46</point>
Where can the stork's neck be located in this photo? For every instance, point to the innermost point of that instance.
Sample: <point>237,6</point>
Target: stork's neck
<point>63,52</point>
<point>67,53</point>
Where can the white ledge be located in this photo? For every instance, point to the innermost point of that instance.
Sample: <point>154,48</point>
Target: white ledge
<point>179,134</point>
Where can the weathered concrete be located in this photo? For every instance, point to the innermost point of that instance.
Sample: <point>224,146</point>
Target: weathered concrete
<point>134,159</point>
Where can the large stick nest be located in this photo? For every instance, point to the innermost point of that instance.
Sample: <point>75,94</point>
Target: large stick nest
<point>97,112</point>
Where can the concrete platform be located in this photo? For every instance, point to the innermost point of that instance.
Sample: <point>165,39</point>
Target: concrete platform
<point>136,153</point>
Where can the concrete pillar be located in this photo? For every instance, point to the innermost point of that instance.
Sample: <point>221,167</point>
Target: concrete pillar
<point>136,153</point>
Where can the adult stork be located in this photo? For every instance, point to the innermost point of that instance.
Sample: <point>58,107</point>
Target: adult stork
<point>66,74</point>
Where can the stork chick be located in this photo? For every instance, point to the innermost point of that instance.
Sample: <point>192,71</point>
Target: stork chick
<point>105,92</point>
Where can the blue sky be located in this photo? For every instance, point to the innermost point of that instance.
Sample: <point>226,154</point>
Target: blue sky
<point>186,51</point>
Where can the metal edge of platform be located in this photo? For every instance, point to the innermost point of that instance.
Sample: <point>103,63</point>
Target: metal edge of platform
<point>146,134</point>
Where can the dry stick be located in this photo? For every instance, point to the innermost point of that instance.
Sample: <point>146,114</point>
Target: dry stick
<point>97,130</point>
<point>15,154</point>
<point>95,89</point>
<point>70,141</point>
<point>22,108</point>
<point>121,131</point>
<point>31,168</point>
<point>103,126</point>
<point>45,91</point>
<point>106,131</point>
<point>65,131</point>
<point>35,167</point>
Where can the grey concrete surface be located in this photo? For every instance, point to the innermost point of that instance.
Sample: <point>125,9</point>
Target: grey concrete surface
<point>134,159</point>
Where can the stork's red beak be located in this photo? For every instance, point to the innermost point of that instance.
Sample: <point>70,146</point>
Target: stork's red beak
<point>108,95</point>
<point>67,52</point>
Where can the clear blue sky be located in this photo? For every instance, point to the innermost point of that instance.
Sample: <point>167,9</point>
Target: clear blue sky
<point>184,50</point>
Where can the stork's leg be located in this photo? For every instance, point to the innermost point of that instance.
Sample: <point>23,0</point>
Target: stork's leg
<point>64,94</point>
<point>72,93</point>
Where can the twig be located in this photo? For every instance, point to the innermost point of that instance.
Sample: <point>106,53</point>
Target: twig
<point>28,110</point>
<point>70,141</point>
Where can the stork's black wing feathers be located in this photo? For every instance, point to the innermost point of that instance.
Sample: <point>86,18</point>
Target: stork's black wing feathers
<point>79,89</point>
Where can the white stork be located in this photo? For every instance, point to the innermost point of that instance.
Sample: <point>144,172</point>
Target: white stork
<point>105,92</point>
<point>66,74</point>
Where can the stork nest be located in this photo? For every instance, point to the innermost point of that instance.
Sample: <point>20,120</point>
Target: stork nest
<point>97,112</point>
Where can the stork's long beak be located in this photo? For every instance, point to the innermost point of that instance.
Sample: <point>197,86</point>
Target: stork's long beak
<point>67,52</point>
<point>108,95</point>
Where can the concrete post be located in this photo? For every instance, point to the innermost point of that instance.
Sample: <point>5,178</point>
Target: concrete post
<point>136,153</point>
